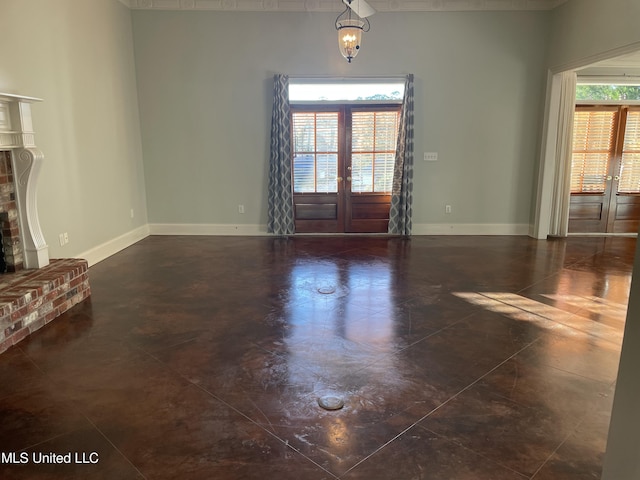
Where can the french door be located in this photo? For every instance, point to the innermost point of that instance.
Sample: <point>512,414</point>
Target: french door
<point>343,162</point>
<point>605,170</point>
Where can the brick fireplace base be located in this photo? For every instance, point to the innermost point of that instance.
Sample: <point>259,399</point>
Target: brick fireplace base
<point>29,299</point>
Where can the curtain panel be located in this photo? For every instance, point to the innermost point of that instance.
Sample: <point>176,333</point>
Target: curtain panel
<point>564,151</point>
<point>402,189</point>
<point>280,219</point>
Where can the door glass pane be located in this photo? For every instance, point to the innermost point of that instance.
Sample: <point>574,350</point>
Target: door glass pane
<point>303,173</point>
<point>327,132</point>
<point>592,144</point>
<point>386,131</point>
<point>630,166</point>
<point>327,173</point>
<point>589,172</point>
<point>304,132</point>
<point>629,173</point>
<point>593,130</point>
<point>315,152</point>
<point>383,176</point>
<point>361,172</point>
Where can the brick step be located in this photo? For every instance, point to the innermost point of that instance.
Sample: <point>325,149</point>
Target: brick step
<point>29,299</point>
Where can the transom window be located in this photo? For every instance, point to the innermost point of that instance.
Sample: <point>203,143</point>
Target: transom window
<point>607,92</point>
<point>346,90</point>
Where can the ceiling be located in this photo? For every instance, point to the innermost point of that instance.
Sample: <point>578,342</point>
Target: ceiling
<point>624,65</point>
<point>336,5</point>
<point>624,61</point>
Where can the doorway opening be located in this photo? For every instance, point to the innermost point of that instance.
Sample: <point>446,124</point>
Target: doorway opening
<point>605,162</point>
<point>344,135</point>
<point>343,165</point>
<point>615,67</point>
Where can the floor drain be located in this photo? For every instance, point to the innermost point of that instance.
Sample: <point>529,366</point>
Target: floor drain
<point>331,402</point>
<point>328,290</point>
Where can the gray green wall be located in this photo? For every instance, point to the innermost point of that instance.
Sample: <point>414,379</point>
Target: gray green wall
<point>78,57</point>
<point>205,80</point>
<point>583,29</point>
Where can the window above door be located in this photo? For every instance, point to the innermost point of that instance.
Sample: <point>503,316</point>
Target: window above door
<point>600,91</point>
<point>346,90</point>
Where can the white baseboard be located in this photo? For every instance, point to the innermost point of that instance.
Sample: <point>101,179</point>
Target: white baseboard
<point>470,229</point>
<point>587,234</point>
<point>206,229</point>
<point>111,247</point>
<point>261,230</point>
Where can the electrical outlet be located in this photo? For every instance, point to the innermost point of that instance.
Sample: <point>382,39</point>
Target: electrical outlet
<point>240,208</point>
<point>447,209</point>
<point>430,156</point>
<point>61,238</point>
<point>66,238</point>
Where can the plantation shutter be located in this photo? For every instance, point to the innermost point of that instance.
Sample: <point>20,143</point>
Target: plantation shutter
<point>593,145</point>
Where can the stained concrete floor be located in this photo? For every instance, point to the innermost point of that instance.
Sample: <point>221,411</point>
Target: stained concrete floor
<point>203,358</point>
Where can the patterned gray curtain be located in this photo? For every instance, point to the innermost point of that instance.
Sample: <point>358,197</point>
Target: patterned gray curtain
<point>280,202</point>
<point>402,190</point>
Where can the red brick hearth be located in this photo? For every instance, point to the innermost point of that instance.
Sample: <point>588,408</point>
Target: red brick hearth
<point>29,299</point>
<point>9,216</point>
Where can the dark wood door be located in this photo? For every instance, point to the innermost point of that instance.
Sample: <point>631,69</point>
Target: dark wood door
<point>371,145</point>
<point>318,162</point>
<point>605,177</point>
<point>343,164</point>
<point>624,205</point>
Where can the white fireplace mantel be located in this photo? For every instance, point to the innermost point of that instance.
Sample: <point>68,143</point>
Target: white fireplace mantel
<point>16,134</point>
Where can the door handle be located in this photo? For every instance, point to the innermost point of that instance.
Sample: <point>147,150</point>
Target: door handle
<point>349,168</point>
<point>348,179</point>
<point>616,178</point>
<point>609,177</point>
<point>339,179</point>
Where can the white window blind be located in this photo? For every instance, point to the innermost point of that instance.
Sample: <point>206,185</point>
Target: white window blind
<point>315,152</point>
<point>630,165</point>
<point>593,142</point>
<point>374,135</point>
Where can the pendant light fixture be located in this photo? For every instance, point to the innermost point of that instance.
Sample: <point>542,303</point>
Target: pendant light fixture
<point>350,25</point>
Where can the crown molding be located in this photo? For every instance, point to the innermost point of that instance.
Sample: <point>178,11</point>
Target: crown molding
<point>336,5</point>
<point>126,3</point>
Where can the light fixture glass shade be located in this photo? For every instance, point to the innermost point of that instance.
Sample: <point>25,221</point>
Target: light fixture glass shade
<point>349,37</point>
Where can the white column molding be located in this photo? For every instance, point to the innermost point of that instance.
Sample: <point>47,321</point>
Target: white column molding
<point>16,134</point>
<point>26,167</point>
